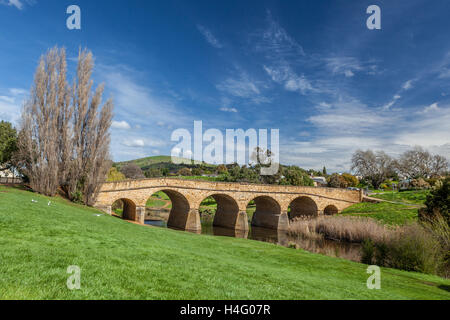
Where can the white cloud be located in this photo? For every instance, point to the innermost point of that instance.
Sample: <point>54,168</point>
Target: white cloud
<point>343,65</point>
<point>17,91</point>
<point>407,85</point>
<point>226,109</point>
<point>11,105</point>
<point>445,73</point>
<point>347,124</point>
<point>433,107</point>
<point>120,125</point>
<point>348,73</point>
<point>7,99</point>
<point>15,3</point>
<point>292,82</point>
<point>134,143</point>
<point>346,115</point>
<point>242,87</point>
<point>209,37</point>
<point>276,43</point>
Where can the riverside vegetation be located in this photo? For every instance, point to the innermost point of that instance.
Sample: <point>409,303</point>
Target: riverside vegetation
<point>392,234</point>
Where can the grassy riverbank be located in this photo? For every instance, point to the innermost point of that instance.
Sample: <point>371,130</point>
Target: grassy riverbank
<point>121,260</point>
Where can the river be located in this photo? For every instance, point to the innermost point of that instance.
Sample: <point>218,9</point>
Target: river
<point>349,251</point>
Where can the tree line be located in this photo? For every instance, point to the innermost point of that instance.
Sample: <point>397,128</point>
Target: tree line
<point>377,166</point>
<point>286,175</point>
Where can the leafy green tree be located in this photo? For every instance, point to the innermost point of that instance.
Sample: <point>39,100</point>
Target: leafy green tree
<point>296,176</point>
<point>185,172</point>
<point>324,171</point>
<point>352,181</point>
<point>197,171</point>
<point>8,144</point>
<point>153,173</point>
<point>221,169</point>
<point>337,181</point>
<point>115,175</point>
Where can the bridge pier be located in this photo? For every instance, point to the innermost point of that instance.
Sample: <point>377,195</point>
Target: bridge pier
<point>189,221</point>
<point>238,221</point>
<point>271,221</point>
<point>140,215</point>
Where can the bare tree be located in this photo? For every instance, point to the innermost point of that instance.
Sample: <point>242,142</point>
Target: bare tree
<point>38,147</point>
<point>418,162</point>
<point>64,138</point>
<point>132,171</point>
<point>373,166</point>
<point>90,134</point>
<point>439,165</point>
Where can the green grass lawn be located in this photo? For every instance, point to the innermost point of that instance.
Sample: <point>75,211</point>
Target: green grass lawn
<point>385,212</point>
<point>121,260</point>
<point>412,197</point>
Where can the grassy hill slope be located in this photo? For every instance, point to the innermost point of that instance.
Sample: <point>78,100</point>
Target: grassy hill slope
<point>158,162</point>
<point>121,260</point>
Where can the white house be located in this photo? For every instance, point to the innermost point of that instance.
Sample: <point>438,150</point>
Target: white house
<point>319,181</point>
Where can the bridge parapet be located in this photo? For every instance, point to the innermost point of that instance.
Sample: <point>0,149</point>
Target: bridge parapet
<point>232,200</point>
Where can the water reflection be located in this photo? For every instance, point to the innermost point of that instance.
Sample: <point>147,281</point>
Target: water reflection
<point>349,251</point>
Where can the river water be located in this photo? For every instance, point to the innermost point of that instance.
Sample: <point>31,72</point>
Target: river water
<point>349,251</point>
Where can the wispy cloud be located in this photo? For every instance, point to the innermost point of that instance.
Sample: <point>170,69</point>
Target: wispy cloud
<point>226,109</point>
<point>407,85</point>
<point>276,43</point>
<point>134,143</point>
<point>242,87</point>
<point>210,38</point>
<point>289,79</point>
<point>11,102</point>
<point>431,108</point>
<point>19,4</point>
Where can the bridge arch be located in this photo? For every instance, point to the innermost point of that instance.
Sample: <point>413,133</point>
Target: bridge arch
<point>268,214</point>
<point>128,208</point>
<point>181,216</point>
<point>227,214</point>
<point>330,210</point>
<point>303,206</point>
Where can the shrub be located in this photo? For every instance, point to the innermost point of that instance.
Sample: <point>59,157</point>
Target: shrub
<point>437,202</point>
<point>351,229</point>
<point>337,181</point>
<point>132,171</point>
<point>412,247</point>
<point>115,175</point>
<point>185,172</point>
<point>352,181</point>
<point>368,251</point>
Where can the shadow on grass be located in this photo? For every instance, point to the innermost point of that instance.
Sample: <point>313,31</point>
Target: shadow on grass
<point>444,287</point>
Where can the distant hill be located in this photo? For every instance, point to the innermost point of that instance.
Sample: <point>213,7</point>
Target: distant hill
<point>160,162</point>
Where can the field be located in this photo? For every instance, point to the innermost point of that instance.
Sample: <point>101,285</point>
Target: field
<point>121,260</point>
<point>410,197</point>
<point>385,212</point>
<point>400,208</point>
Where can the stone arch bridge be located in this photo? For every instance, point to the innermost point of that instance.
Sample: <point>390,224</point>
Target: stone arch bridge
<point>272,201</point>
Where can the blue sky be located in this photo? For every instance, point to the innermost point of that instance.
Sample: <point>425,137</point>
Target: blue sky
<point>309,68</point>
